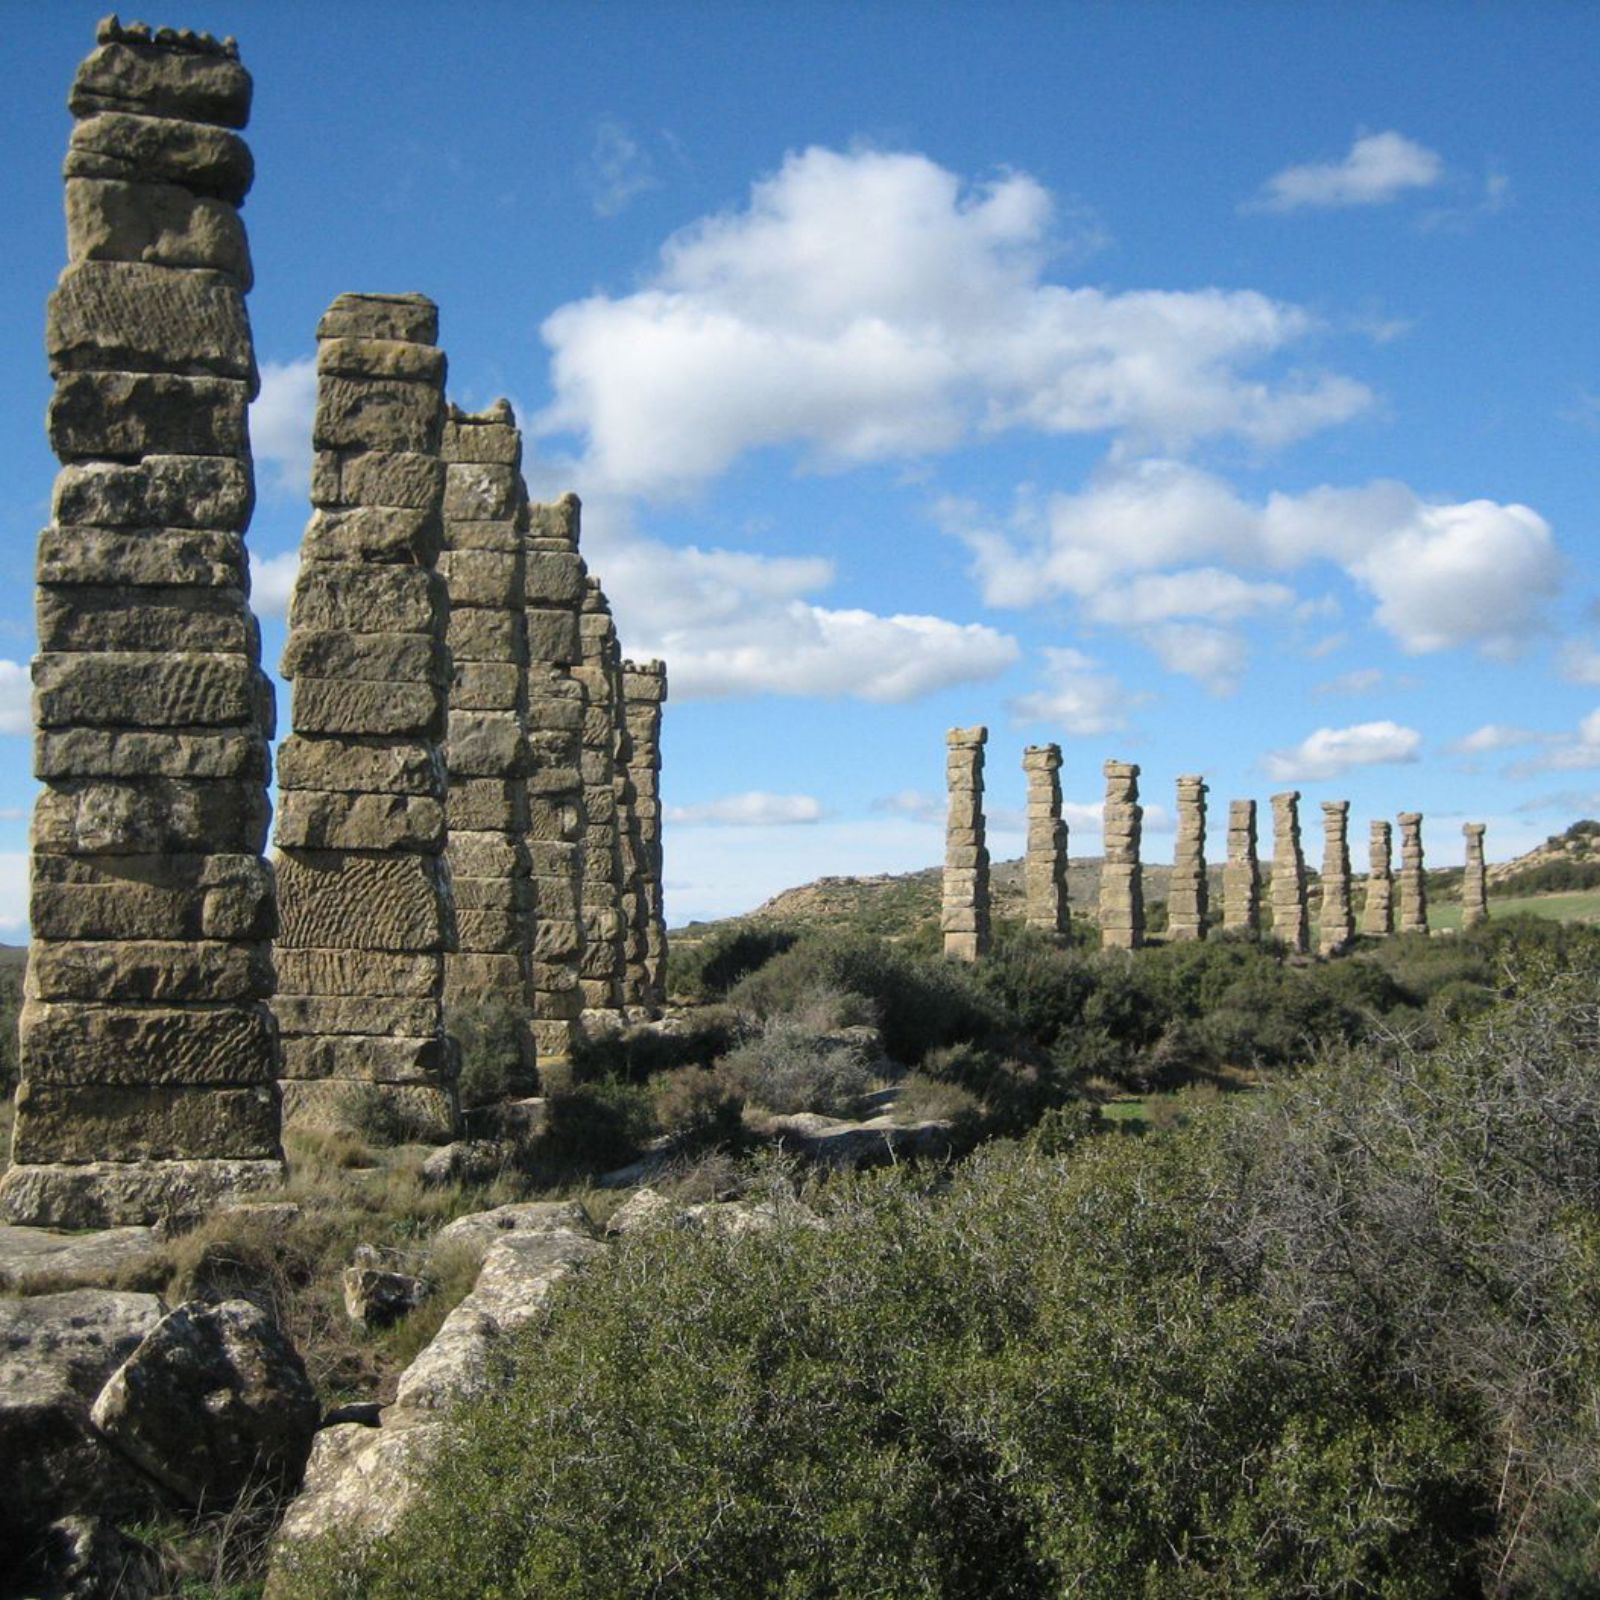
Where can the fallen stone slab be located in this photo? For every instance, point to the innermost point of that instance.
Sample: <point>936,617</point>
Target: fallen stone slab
<point>480,1229</point>
<point>37,1261</point>
<point>834,1142</point>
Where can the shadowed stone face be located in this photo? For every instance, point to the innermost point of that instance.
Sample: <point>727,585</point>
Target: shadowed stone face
<point>644,690</point>
<point>1121,883</point>
<point>149,1059</point>
<point>964,915</point>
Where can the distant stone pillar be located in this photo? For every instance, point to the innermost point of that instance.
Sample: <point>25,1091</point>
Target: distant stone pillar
<point>554,595</point>
<point>1121,885</point>
<point>1337,925</point>
<point>1289,920</point>
<point>1241,878</point>
<point>1475,880</point>
<point>1378,915</point>
<point>1045,868</point>
<point>601,968</point>
<point>367,913</point>
<point>1188,893</point>
<point>644,688</point>
<point>964,917</point>
<point>148,1056</point>
<point>483,565</point>
<point>1413,885</point>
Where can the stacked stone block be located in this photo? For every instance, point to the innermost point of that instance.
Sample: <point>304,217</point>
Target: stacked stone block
<point>964,915</point>
<point>1475,880</point>
<point>1413,886</point>
<point>1377,915</point>
<point>644,694</point>
<point>1121,884</point>
<point>364,894</point>
<point>600,672</point>
<point>148,1054</point>
<point>1187,896</point>
<point>1241,877</point>
<point>1337,925</point>
<point>1289,920</point>
<point>483,568</point>
<point>553,592</point>
<point>1045,866</point>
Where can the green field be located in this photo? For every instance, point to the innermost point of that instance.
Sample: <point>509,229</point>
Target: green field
<point>1578,905</point>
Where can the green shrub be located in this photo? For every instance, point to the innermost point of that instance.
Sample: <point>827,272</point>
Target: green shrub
<point>787,1068</point>
<point>590,1127</point>
<point>634,1055</point>
<point>698,1109</point>
<point>1013,1093</point>
<point>709,968</point>
<point>496,1053</point>
<point>382,1120</point>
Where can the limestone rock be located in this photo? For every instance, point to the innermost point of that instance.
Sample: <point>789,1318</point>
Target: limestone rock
<point>480,1229</point>
<point>34,1259</point>
<point>374,1295</point>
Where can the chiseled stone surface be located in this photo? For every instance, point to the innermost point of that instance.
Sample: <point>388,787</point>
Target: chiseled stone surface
<point>148,1057</point>
<point>361,820</point>
<point>1241,876</point>
<point>644,694</point>
<point>1045,865</point>
<point>964,913</point>
<point>1413,883</point>
<point>1475,880</point>
<point>1121,883</point>
<point>1377,916</point>
<point>602,965</point>
<point>1188,897</point>
<point>1290,921</point>
<point>1336,928</point>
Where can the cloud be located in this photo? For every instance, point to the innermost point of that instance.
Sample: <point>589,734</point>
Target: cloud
<point>1495,198</point>
<point>1331,752</point>
<point>1580,663</point>
<point>869,306</point>
<point>1378,168</point>
<point>1568,752</point>
<point>280,424</point>
<point>1214,656</point>
<point>618,171</point>
<point>913,803</point>
<point>1493,736</point>
<point>272,582</point>
<point>756,808</point>
<point>1199,592</point>
<point>1360,680</point>
<point>16,698</point>
<point>1075,697</point>
<point>1441,575</point>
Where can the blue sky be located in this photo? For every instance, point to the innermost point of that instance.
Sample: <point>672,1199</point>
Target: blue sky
<point>1214,387</point>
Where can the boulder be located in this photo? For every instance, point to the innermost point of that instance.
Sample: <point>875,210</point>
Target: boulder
<point>646,1209</point>
<point>465,1161</point>
<point>35,1259</point>
<point>214,1397</point>
<point>480,1229</point>
<point>375,1295</point>
<point>86,1558</point>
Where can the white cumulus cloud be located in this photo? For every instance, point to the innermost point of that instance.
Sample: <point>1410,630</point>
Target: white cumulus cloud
<point>1378,168</point>
<point>16,698</point>
<point>866,306</point>
<point>1568,752</point>
<point>1075,696</point>
<point>272,582</point>
<point>280,424</point>
<point>1214,656</point>
<point>913,803</point>
<point>1493,736</point>
<point>1330,752</point>
<point>756,808</point>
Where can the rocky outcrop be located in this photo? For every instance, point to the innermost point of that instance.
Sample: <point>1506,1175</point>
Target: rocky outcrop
<point>1045,866</point>
<point>1413,882</point>
<point>1475,879</point>
<point>1290,922</point>
<point>148,1056</point>
<point>1121,886</point>
<point>1241,877</point>
<point>1336,929</point>
<point>964,915</point>
<point>1188,892</point>
<point>1377,916</point>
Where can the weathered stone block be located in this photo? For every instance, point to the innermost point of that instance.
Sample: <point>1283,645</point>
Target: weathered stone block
<point>150,817</point>
<point>476,975</point>
<point>379,479</point>
<point>486,686</point>
<point>482,578</point>
<point>134,753</point>
<point>130,415</point>
<point>133,1045</point>
<point>553,821</point>
<point>107,557</point>
<point>553,636</point>
<point>161,224</point>
<point>121,144</point>
<point>486,744</point>
<point>320,819</point>
<point>343,596</point>
<point>492,930</point>
<point>554,940</point>
<point>100,617</point>
<point>555,896</point>
<point>126,75</point>
<point>78,1122</point>
<point>504,535</point>
<point>377,414</point>
<point>374,1057</point>
<point>357,973</point>
<point>411,317</point>
<point>214,492</point>
<point>382,358</point>
<point>152,897</point>
<point>340,1103</point>
<point>372,534</point>
<point>475,634</point>
<point>145,689</point>
<point>106,1194</point>
<point>317,1014</point>
<point>149,970</point>
<point>483,855</point>
<point>333,900</point>
<point>338,706</point>
<point>416,658</point>
<point>482,894</point>
<point>374,766</point>
<point>481,491</point>
<point>486,805</point>
<point>492,438</point>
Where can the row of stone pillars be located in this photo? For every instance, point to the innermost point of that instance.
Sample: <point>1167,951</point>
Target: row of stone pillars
<point>468,806</point>
<point>965,912</point>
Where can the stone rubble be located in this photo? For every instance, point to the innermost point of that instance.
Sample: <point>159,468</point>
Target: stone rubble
<point>1045,866</point>
<point>1121,883</point>
<point>1241,877</point>
<point>964,913</point>
<point>1290,922</point>
<point>1188,893</point>
<point>1336,928</point>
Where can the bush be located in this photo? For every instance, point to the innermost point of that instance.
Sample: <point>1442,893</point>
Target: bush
<point>1013,1093</point>
<point>590,1127</point>
<point>708,969</point>
<point>698,1109</point>
<point>636,1054</point>
<point>788,1068</point>
<point>496,1053</point>
<point>381,1119</point>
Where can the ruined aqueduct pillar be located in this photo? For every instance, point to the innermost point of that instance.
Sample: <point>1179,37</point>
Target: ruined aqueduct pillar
<point>1045,867</point>
<point>1413,885</point>
<point>1241,877</point>
<point>1121,886</point>
<point>1337,924</point>
<point>964,917</point>
<point>148,1054</point>
<point>1187,894</point>
<point>1289,921</point>
<point>364,895</point>
<point>1377,917</point>
<point>1475,879</point>
<point>644,694</point>
<point>601,971</point>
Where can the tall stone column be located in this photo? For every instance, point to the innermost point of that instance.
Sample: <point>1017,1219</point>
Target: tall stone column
<point>483,567</point>
<point>1337,926</point>
<point>1188,896</point>
<point>1475,880</point>
<point>600,672</point>
<point>554,594</point>
<point>1121,885</point>
<point>644,691</point>
<point>365,899</point>
<point>1289,920</point>
<point>1413,885</point>
<point>964,916</point>
<point>1377,916</point>
<point>1045,867</point>
<point>1241,877</point>
<point>149,1058</point>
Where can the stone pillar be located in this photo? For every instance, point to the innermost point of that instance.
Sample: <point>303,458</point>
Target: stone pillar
<point>1336,928</point>
<point>1378,914</point>
<point>600,974</point>
<point>1241,877</point>
<point>1289,920</point>
<point>1413,886</point>
<point>1475,879</point>
<point>1188,894</point>
<point>1045,869</point>
<point>149,1058</point>
<point>365,899</point>
<point>554,593</point>
<point>644,691</point>
<point>964,916</point>
<point>485,531</point>
<point>1121,886</point>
